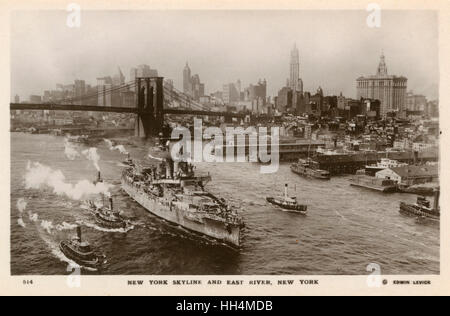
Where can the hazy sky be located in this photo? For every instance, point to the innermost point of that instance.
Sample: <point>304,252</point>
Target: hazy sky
<point>335,47</point>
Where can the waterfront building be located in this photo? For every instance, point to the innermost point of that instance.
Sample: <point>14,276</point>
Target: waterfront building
<point>390,90</point>
<point>410,175</point>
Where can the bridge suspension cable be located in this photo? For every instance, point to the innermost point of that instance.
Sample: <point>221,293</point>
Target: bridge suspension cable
<point>97,94</point>
<point>183,98</point>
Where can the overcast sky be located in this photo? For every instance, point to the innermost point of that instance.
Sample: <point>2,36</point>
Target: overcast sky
<point>335,47</point>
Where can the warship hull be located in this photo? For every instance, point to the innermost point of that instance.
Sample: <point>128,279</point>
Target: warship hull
<point>175,213</point>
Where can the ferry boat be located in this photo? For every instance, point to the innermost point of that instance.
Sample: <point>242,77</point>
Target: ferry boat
<point>174,192</point>
<point>81,252</point>
<point>422,208</point>
<point>307,168</point>
<point>288,203</point>
<point>384,163</point>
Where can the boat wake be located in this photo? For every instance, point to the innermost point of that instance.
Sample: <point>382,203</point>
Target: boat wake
<point>348,220</point>
<point>107,230</point>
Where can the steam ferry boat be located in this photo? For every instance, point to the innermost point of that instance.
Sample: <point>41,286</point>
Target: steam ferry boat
<point>307,168</point>
<point>174,192</point>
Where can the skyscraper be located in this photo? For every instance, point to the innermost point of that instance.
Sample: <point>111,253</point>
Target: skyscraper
<point>104,85</point>
<point>187,79</point>
<point>146,71</point>
<point>119,78</point>
<point>388,89</point>
<point>294,69</point>
<point>192,85</point>
<point>80,91</point>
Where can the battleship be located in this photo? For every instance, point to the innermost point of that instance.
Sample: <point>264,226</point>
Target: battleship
<point>174,192</point>
<point>81,252</point>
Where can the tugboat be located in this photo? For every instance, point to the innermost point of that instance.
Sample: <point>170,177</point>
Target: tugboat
<point>288,203</point>
<point>107,217</point>
<point>80,252</point>
<point>306,167</point>
<point>422,208</point>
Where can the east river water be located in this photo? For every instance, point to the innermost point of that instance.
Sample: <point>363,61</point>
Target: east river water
<point>347,228</point>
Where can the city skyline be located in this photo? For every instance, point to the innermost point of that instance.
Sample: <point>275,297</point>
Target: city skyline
<point>221,55</point>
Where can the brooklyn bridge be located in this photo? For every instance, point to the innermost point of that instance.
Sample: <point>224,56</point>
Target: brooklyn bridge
<point>153,100</point>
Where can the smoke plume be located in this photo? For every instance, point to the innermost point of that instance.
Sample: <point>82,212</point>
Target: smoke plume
<point>69,150</point>
<point>119,148</point>
<point>39,176</point>
<point>21,206</point>
<point>92,155</point>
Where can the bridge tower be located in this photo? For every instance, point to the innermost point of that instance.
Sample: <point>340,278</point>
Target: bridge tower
<point>150,104</point>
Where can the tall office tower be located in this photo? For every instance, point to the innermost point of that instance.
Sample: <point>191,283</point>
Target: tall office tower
<point>80,91</point>
<point>294,69</point>
<point>390,90</point>
<point>187,87</point>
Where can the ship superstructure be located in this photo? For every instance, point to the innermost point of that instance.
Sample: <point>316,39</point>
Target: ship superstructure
<point>175,192</point>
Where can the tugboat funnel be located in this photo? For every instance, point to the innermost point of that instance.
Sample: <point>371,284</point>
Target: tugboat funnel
<point>286,191</point>
<point>111,203</point>
<point>436,200</point>
<point>79,232</point>
<point>99,177</point>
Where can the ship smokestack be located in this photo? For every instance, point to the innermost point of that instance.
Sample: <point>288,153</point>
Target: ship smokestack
<point>99,177</point>
<point>111,203</point>
<point>416,157</point>
<point>286,191</point>
<point>436,200</point>
<point>79,232</point>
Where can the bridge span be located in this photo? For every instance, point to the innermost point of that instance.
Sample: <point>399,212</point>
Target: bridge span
<point>115,109</point>
<point>149,105</point>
